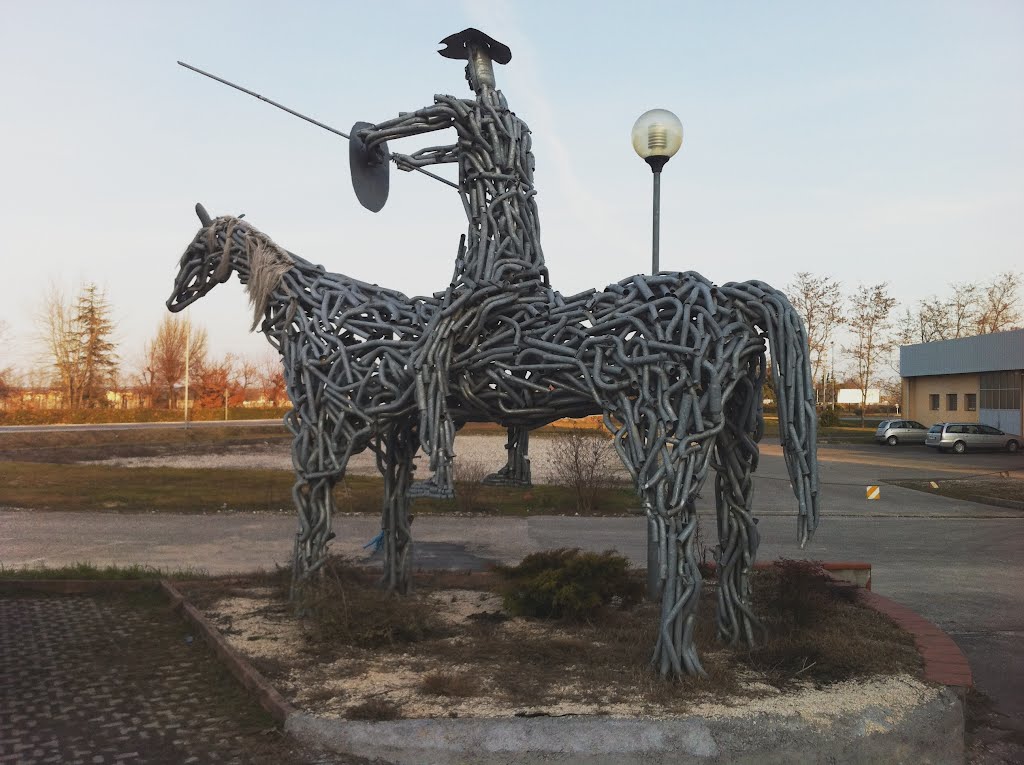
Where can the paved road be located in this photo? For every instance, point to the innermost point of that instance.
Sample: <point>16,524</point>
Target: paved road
<point>957,563</point>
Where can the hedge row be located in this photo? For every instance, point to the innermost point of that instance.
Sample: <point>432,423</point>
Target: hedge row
<point>98,416</point>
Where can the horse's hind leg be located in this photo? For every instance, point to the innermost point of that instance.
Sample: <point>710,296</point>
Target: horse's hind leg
<point>398,446</point>
<point>517,469</point>
<point>738,538</point>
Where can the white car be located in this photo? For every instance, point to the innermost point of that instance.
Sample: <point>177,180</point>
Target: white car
<point>895,432</point>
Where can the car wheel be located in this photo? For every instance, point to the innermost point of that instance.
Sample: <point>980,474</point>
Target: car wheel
<point>891,440</point>
<point>959,447</point>
<point>1012,447</point>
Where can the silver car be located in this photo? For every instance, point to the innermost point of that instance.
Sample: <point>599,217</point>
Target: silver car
<point>894,432</point>
<point>961,436</point>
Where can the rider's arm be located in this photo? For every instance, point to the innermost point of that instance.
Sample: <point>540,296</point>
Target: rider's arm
<point>442,115</point>
<point>429,119</point>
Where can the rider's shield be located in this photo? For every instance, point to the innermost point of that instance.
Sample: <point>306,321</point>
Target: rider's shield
<point>370,178</point>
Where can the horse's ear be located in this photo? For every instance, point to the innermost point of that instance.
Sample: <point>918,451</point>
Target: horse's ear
<point>204,217</point>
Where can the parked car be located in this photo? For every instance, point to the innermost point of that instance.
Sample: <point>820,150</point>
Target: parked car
<point>894,432</point>
<point>961,436</point>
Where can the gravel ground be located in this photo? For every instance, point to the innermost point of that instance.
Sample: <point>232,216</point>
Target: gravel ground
<point>485,449</point>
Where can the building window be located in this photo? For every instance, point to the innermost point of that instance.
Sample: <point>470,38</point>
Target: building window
<point>933,401</point>
<point>1000,390</point>
<point>971,402</point>
<point>951,402</point>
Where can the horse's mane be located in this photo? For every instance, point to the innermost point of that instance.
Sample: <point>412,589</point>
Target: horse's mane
<point>268,262</point>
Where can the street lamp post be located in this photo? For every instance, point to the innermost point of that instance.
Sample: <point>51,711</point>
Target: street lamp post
<point>832,358</point>
<point>657,136</point>
<point>188,353</point>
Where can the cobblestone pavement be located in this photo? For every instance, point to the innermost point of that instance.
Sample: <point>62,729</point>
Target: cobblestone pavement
<point>116,678</point>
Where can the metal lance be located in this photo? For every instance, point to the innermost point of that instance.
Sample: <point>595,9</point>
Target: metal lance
<point>304,117</point>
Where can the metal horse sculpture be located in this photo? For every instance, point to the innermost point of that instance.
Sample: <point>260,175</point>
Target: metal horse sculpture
<point>673,363</point>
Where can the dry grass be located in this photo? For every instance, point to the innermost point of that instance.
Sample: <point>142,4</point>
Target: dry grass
<point>468,489</point>
<point>817,630</point>
<point>77,445</point>
<point>90,487</point>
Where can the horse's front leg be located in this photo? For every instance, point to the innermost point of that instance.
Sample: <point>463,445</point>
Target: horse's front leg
<point>314,500</point>
<point>517,467</point>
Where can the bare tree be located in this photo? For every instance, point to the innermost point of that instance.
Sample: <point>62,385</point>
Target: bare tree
<point>999,303</point>
<point>934,320</point>
<point>270,376</point>
<point>165,355</point>
<point>6,373</point>
<point>585,462</point>
<point>819,302</point>
<point>964,305</point>
<point>78,340</point>
<point>869,322</point>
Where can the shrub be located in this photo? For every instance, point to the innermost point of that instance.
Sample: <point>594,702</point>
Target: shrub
<point>829,418</point>
<point>568,584</point>
<point>585,462</point>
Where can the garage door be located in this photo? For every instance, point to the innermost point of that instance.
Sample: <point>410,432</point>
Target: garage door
<point>1000,404</point>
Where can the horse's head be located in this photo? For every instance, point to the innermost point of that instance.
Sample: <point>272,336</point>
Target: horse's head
<point>207,262</point>
<point>224,245</point>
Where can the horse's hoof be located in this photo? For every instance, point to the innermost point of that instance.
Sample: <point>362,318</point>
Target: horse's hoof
<point>430,490</point>
<point>500,479</point>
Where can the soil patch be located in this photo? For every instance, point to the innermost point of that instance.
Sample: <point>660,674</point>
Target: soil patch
<point>453,650</point>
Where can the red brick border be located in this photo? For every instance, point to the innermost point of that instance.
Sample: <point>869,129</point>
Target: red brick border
<point>944,662</point>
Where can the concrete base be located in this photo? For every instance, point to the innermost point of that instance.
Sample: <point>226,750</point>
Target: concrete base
<point>932,732</point>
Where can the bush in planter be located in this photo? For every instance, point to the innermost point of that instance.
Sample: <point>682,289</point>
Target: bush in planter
<point>568,584</point>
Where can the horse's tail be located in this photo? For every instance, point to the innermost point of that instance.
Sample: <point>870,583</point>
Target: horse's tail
<point>794,393</point>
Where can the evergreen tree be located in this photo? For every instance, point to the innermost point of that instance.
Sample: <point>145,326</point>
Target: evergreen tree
<point>97,352</point>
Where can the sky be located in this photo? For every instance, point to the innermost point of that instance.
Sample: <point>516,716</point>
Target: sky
<point>873,141</point>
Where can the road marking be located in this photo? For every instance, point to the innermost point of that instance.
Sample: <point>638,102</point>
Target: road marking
<point>874,492</point>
